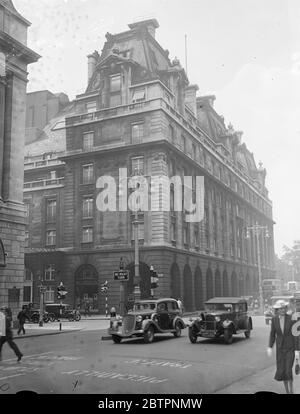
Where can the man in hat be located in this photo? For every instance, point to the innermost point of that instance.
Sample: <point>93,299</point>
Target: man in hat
<point>9,334</point>
<point>287,345</point>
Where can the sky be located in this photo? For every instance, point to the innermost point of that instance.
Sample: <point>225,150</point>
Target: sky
<point>245,52</point>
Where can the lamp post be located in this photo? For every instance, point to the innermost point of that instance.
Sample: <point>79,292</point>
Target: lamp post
<point>136,282</point>
<point>42,289</point>
<point>257,231</point>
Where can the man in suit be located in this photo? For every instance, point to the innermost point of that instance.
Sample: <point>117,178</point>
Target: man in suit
<point>287,345</point>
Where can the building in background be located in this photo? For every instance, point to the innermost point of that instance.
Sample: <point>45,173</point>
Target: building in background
<point>14,58</point>
<point>140,112</point>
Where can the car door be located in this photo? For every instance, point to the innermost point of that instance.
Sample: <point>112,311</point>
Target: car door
<point>173,310</point>
<point>163,316</point>
<point>242,316</point>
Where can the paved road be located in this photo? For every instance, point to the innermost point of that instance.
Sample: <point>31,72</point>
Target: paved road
<point>80,362</point>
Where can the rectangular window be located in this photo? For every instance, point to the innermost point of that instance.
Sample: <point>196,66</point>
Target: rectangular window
<point>173,230</point>
<point>87,207</point>
<point>26,238</point>
<point>87,235</point>
<point>115,83</point>
<point>137,133</point>
<point>51,210</point>
<point>171,134</point>
<point>87,173</point>
<point>49,272</point>
<point>185,233</point>
<point>138,95</point>
<point>183,143</point>
<point>196,237</point>
<point>137,165</point>
<point>49,294</point>
<point>51,238</point>
<point>91,106</point>
<point>27,208</point>
<point>27,294</point>
<point>88,141</point>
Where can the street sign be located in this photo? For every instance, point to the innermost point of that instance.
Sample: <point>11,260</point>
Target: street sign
<point>121,275</point>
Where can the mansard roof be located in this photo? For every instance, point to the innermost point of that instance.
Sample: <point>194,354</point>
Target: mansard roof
<point>138,46</point>
<point>8,4</point>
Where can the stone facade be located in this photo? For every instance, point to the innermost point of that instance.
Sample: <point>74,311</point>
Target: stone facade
<point>139,112</point>
<point>14,58</point>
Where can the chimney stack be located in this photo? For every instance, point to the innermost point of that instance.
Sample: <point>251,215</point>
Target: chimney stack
<point>190,97</point>
<point>92,62</point>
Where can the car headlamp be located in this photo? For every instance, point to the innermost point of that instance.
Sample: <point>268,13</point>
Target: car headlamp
<point>217,319</point>
<point>139,318</point>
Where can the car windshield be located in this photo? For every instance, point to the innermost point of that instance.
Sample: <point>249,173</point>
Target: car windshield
<point>211,307</point>
<point>144,306</point>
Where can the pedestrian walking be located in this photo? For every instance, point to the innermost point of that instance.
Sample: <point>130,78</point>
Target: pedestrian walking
<point>9,335</point>
<point>287,345</point>
<point>22,316</point>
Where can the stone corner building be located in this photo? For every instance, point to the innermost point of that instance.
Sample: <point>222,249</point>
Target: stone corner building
<point>139,111</point>
<point>14,58</point>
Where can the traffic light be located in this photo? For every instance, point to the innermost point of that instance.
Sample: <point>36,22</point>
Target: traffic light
<point>61,291</point>
<point>154,278</point>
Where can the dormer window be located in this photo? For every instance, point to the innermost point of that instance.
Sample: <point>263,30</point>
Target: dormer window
<point>115,83</point>
<point>115,90</point>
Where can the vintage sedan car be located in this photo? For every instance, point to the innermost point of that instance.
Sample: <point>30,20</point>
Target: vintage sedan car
<point>223,317</point>
<point>57,311</point>
<point>147,318</point>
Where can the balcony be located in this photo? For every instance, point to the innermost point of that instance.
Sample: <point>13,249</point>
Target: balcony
<point>114,112</point>
<point>28,165</point>
<point>42,184</point>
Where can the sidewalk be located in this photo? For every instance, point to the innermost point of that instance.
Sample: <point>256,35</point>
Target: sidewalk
<point>261,381</point>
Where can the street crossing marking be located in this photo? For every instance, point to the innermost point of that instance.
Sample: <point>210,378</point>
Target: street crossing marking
<point>116,375</point>
<point>155,362</point>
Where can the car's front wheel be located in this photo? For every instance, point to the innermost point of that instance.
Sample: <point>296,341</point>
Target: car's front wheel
<point>228,338</point>
<point>248,332</point>
<point>177,332</point>
<point>149,335</point>
<point>116,339</point>
<point>192,335</point>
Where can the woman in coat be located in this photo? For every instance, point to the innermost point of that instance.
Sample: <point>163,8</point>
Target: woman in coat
<point>287,345</point>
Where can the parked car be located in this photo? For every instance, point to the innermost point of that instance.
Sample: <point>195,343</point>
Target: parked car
<point>59,311</point>
<point>223,317</point>
<point>147,318</point>
<point>33,314</point>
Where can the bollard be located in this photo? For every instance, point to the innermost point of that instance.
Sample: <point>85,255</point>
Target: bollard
<point>60,326</point>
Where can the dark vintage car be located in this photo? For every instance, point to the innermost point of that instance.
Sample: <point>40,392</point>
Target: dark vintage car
<point>147,318</point>
<point>33,314</point>
<point>57,311</point>
<point>222,317</point>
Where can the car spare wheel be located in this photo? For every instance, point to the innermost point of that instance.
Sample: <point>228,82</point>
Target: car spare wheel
<point>149,335</point>
<point>192,335</point>
<point>228,336</point>
<point>116,339</point>
<point>177,332</point>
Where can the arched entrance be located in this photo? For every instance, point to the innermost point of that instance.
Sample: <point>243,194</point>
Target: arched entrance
<point>218,285</point>
<point>187,288</point>
<point>234,284</point>
<point>175,281</point>
<point>145,281</point>
<point>86,287</point>
<point>225,284</point>
<point>198,289</point>
<point>209,284</point>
